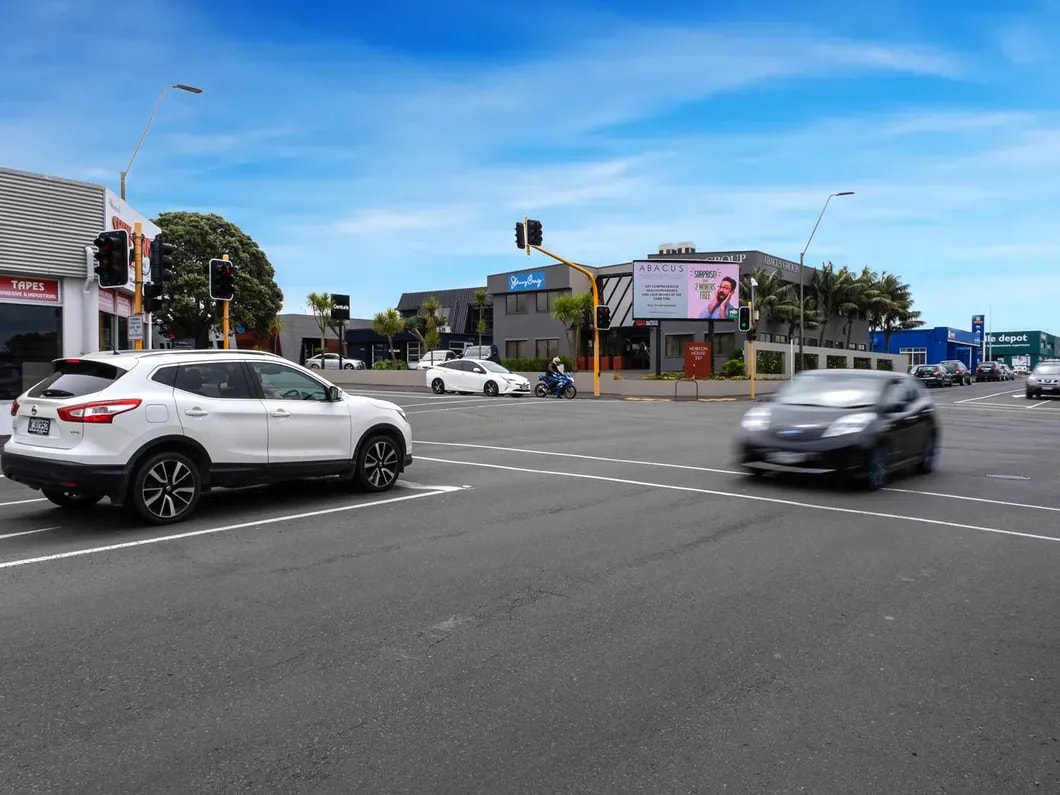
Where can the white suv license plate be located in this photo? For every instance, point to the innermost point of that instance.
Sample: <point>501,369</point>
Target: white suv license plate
<point>39,427</point>
<point>785,457</point>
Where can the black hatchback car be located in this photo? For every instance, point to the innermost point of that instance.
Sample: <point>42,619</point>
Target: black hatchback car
<point>932,375</point>
<point>959,372</point>
<point>860,424</point>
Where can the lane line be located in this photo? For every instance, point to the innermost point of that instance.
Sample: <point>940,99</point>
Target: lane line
<point>984,397</point>
<point>1043,403</point>
<point>434,491</point>
<point>28,532</point>
<point>516,402</point>
<point>751,497</point>
<point>711,470</point>
<point>23,502</point>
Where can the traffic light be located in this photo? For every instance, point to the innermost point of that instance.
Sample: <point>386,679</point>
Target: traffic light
<point>533,232</point>
<point>520,235</point>
<point>222,280</point>
<point>745,318</point>
<point>603,317</point>
<point>113,255</point>
<point>161,272</point>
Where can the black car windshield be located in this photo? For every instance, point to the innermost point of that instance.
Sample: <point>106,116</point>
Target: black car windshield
<point>493,367</point>
<point>832,391</point>
<point>1049,369</point>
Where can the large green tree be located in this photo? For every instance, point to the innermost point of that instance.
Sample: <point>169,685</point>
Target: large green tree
<point>188,310</point>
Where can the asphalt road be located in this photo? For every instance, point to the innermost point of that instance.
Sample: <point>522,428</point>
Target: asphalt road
<point>565,596</point>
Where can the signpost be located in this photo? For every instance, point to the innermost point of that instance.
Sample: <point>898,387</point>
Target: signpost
<point>136,328</point>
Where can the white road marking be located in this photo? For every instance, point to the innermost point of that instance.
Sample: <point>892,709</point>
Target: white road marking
<point>493,404</point>
<point>23,502</point>
<point>711,470</point>
<point>1044,402</point>
<point>28,532</point>
<point>752,497</point>
<point>225,528</point>
<point>983,397</point>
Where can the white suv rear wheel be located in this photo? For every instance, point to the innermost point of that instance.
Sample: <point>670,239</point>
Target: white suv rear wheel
<point>166,488</point>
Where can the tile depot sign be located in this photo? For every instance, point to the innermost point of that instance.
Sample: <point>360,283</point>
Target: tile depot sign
<point>29,290</point>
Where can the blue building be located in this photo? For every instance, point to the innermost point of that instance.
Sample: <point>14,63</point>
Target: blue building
<point>931,345</point>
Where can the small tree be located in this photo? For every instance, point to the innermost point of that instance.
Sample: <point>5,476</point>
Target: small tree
<point>570,310</point>
<point>320,305</point>
<point>389,323</point>
<point>482,299</point>
<point>424,326</point>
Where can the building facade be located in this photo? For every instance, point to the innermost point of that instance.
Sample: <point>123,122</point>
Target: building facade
<point>523,321</point>
<point>50,302</point>
<point>1022,347</point>
<point>931,345</point>
<point>457,308</point>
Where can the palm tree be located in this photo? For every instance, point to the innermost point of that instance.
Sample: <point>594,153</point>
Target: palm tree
<point>897,307</point>
<point>788,313</point>
<point>771,294</point>
<point>424,325</point>
<point>389,323</point>
<point>320,305</point>
<point>570,310</point>
<point>830,287</point>
<point>481,299</point>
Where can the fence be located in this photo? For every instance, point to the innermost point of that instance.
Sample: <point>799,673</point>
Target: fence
<point>777,360</point>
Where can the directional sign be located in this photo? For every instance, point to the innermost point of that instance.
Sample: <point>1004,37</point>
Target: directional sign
<point>136,327</point>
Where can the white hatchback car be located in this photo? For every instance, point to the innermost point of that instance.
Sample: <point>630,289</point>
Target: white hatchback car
<point>476,375</point>
<point>155,429</point>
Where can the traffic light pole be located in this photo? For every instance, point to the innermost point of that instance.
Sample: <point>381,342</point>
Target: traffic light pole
<point>138,285</point>
<point>224,315</point>
<point>596,303</point>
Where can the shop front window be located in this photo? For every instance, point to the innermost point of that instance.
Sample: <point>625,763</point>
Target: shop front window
<point>30,338</point>
<point>113,329</point>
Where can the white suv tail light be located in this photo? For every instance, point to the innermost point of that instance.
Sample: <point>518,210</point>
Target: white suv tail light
<point>14,409</point>
<point>102,411</point>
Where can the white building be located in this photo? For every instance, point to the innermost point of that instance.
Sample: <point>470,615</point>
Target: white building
<point>50,303</point>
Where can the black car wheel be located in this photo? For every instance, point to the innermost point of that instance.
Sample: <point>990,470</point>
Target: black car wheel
<point>929,455</point>
<point>438,386</point>
<point>491,389</point>
<point>166,488</point>
<point>71,499</point>
<point>876,469</point>
<point>378,464</point>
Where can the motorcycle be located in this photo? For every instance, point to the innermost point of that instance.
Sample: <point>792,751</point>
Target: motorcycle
<point>562,386</point>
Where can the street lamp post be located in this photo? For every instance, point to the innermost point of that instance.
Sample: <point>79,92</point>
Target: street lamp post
<point>151,118</point>
<point>802,274</point>
<point>138,285</point>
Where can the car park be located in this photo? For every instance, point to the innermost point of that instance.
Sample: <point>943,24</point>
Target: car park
<point>1043,380</point>
<point>476,376</point>
<point>154,430</point>
<point>861,424</point>
<point>932,375</point>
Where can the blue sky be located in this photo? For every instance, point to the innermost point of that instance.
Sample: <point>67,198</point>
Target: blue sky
<point>376,151</point>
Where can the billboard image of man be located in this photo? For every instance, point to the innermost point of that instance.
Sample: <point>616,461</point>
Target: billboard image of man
<point>721,301</point>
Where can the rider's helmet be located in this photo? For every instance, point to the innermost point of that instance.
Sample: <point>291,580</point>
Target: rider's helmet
<point>556,360</point>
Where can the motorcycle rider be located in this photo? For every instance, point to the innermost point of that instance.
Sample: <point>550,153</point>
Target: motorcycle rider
<point>552,372</point>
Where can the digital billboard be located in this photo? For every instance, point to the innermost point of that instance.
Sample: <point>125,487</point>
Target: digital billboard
<point>685,290</point>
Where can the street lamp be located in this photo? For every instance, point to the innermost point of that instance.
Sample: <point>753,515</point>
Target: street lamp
<point>802,273</point>
<point>151,118</point>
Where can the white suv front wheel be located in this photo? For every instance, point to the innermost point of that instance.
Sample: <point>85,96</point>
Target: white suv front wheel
<point>378,464</point>
<point>166,488</point>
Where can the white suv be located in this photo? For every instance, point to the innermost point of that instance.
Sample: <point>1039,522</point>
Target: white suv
<point>155,429</point>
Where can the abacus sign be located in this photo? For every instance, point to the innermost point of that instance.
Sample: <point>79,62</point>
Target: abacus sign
<point>686,290</point>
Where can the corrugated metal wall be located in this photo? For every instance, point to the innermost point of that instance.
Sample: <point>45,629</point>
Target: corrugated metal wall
<point>45,224</point>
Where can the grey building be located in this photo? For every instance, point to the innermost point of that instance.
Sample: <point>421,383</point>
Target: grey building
<point>523,322</point>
